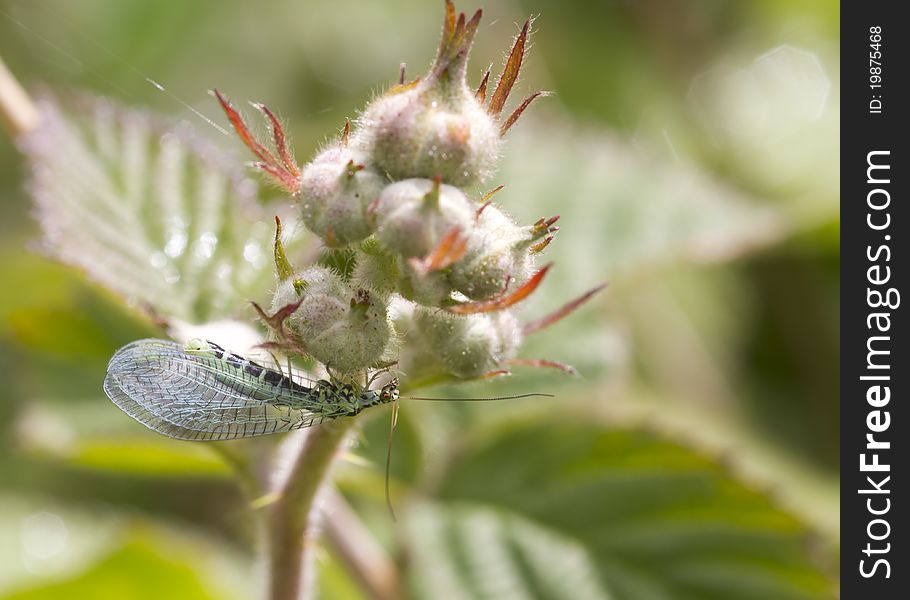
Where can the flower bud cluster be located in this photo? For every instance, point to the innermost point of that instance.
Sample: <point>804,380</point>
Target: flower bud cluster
<point>393,193</point>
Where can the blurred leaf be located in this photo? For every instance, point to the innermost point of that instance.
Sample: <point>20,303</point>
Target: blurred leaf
<point>56,548</point>
<point>47,538</point>
<point>136,571</point>
<point>35,280</point>
<point>798,485</point>
<point>576,511</point>
<point>334,581</point>
<point>61,332</point>
<point>625,210</point>
<point>148,209</point>
<point>407,444</point>
<point>101,440</point>
<point>146,457</point>
<point>626,213</point>
<point>55,314</point>
<point>771,121</point>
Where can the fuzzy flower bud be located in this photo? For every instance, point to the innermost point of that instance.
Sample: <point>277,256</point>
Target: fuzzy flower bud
<point>335,191</point>
<point>435,126</point>
<point>344,328</point>
<point>499,254</point>
<point>430,132</point>
<point>413,215</point>
<point>472,345</point>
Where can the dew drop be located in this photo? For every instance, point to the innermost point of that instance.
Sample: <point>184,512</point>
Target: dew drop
<point>158,260</point>
<point>171,276</point>
<point>252,253</point>
<point>204,248</point>
<point>43,537</point>
<point>176,243</point>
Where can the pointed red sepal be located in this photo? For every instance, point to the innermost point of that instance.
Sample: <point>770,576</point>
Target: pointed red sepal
<point>516,114</point>
<point>242,130</point>
<point>284,172</point>
<point>539,246</point>
<point>284,180</point>
<point>487,200</point>
<point>542,227</point>
<point>542,363</point>
<point>458,33</point>
<point>449,250</point>
<point>276,321</point>
<point>279,140</point>
<point>346,132</point>
<point>481,93</point>
<point>560,313</point>
<point>457,37</point>
<point>470,30</point>
<point>502,301</point>
<point>495,374</point>
<point>448,26</point>
<point>510,72</point>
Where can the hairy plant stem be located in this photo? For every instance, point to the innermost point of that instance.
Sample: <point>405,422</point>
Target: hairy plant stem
<point>290,523</point>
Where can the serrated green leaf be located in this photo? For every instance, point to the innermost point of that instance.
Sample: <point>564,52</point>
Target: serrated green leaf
<point>572,510</point>
<point>148,209</point>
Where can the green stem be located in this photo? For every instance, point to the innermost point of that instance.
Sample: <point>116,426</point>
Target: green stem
<point>291,534</point>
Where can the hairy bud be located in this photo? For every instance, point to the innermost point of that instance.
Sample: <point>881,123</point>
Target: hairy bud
<point>435,126</point>
<point>345,328</point>
<point>430,132</point>
<point>498,255</point>
<point>472,345</point>
<point>413,215</point>
<point>335,191</point>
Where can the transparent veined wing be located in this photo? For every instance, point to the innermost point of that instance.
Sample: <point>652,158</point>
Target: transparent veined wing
<point>199,396</point>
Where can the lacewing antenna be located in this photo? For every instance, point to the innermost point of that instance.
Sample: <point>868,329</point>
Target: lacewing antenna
<point>388,459</point>
<point>394,421</point>
<point>481,399</point>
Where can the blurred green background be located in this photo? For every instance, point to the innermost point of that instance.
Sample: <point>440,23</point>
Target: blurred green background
<point>691,148</point>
